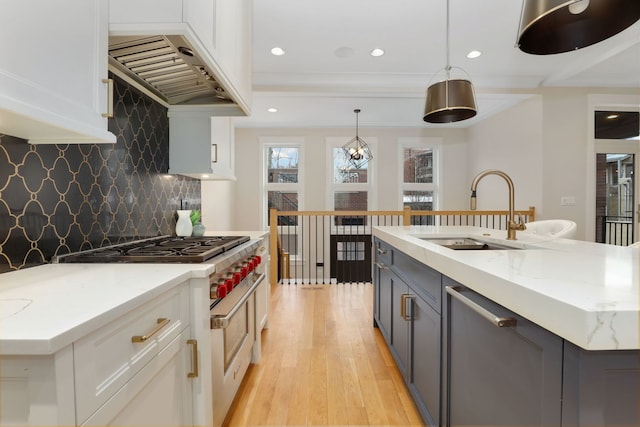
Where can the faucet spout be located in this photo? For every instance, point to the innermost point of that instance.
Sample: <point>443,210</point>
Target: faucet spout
<point>512,226</point>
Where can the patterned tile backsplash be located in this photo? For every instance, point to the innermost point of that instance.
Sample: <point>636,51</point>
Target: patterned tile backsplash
<point>56,199</point>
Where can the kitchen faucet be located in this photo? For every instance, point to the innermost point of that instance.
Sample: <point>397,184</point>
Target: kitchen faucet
<point>512,225</point>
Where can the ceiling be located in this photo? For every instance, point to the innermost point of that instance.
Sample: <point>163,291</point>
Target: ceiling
<point>327,71</point>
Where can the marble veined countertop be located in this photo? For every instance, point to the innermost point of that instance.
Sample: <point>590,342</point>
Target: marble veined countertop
<point>587,293</point>
<point>45,308</point>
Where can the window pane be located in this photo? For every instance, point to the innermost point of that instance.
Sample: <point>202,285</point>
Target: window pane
<point>418,165</point>
<point>344,172</point>
<point>617,125</point>
<point>283,201</point>
<point>282,164</point>
<point>350,251</point>
<point>350,201</point>
<point>418,200</point>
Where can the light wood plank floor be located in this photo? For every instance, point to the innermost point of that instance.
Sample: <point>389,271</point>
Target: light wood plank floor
<point>323,364</point>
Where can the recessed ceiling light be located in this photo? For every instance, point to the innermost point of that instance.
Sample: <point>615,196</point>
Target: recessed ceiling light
<point>474,54</point>
<point>272,110</point>
<point>277,51</point>
<point>377,52</point>
<point>612,116</point>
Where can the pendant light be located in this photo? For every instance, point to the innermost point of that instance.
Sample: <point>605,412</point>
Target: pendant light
<point>452,99</point>
<point>557,26</point>
<point>357,151</point>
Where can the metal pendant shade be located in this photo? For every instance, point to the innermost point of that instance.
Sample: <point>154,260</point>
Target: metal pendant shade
<point>452,99</point>
<point>557,26</point>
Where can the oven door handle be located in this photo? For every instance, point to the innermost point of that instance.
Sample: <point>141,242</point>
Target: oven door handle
<point>221,322</point>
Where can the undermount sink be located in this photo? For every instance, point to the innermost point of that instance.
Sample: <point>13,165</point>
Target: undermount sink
<point>465,243</point>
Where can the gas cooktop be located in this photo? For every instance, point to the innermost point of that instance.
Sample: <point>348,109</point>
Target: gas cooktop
<point>159,250</point>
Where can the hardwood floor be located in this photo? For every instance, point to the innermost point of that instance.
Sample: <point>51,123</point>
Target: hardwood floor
<point>323,364</point>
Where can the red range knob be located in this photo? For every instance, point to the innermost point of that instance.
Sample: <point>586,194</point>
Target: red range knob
<point>244,271</point>
<point>221,289</point>
<point>228,283</point>
<point>237,278</point>
<point>251,265</point>
<point>257,259</point>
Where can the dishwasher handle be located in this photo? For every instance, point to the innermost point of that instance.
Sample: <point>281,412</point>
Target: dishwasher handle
<point>221,322</point>
<point>500,322</point>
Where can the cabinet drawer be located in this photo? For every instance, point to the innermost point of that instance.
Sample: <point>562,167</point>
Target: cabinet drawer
<point>424,280</point>
<point>384,253</point>
<point>107,358</point>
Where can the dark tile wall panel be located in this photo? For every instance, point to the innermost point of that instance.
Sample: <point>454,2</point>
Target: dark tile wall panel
<point>56,199</point>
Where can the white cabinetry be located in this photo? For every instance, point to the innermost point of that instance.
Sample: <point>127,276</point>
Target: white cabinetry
<point>138,369</point>
<point>201,146</point>
<point>220,30</point>
<point>52,71</point>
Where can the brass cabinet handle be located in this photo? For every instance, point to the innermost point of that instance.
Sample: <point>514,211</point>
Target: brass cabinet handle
<point>500,322</point>
<point>403,306</point>
<point>162,322</point>
<point>195,372</point>
<point>109,83</point>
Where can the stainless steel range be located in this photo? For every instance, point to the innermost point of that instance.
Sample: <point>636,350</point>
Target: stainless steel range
<point>239,272</point>
<point>160,249</point>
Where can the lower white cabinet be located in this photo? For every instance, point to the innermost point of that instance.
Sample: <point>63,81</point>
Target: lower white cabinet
<point>159,395</point>
<point>141,369</point>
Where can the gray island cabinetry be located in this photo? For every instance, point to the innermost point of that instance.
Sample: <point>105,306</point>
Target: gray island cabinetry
<point>407,311</point>
<point>469,360</point>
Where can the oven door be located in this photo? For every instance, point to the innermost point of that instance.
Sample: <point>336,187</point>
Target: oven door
<point>232,340</point>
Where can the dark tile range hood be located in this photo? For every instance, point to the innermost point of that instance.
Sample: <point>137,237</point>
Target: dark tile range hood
<point>169,67</point>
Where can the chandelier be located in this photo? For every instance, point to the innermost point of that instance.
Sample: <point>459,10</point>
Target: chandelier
<point>356,151</point>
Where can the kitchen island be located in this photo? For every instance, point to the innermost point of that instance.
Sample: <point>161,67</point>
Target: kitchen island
<point>530,331</point>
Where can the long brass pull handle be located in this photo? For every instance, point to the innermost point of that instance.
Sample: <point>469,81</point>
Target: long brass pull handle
<point>195,372</point>
<point>162,322</point>
<point>403,306</point>
<point>500,322</point>
<point>109,83</point>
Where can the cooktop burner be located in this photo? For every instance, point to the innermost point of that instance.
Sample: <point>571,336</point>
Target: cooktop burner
<point>160,249</point>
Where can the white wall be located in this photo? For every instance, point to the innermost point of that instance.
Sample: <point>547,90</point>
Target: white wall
<point>316,167</point>
<point>542,143</point>
<point>218,205</point>
<point>510,142</point>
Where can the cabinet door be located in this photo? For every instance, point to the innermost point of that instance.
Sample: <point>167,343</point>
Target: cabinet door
<point>161,394</point>
<point>400,323</point>
<point>383,301</point>
<point>425,359</point>
<point>53,62</point>
<point>499,376</point>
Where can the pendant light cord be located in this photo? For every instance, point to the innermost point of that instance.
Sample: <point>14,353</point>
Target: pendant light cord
<point>356,111</point>
<point>448,67</point>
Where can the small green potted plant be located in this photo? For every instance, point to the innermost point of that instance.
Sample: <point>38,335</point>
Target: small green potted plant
<point>198,228</point>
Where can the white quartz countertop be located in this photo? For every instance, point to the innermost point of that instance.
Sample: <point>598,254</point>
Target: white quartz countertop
<point>587,293</point>
<point>45,308</point>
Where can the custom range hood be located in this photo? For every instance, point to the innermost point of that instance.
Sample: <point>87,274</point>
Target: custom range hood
<point>169,67</point>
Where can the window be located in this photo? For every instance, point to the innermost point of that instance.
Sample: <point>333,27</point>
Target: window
<point>419,171</point>
<point>351,185</point>
<point>282,165</point>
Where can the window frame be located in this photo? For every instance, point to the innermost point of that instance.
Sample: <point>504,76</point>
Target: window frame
<point>435,144</point>
<point>297,187</point>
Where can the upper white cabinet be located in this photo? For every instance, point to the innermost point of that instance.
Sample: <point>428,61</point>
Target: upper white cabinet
<point>53,71</point>
<point>201,145</point>
<point>218,30</point>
